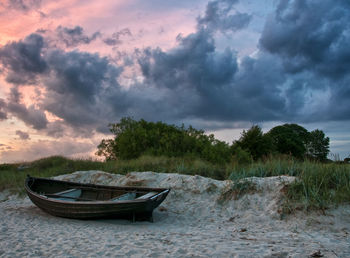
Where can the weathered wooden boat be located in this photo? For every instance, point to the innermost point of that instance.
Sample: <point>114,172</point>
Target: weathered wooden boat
<point>90,201</point>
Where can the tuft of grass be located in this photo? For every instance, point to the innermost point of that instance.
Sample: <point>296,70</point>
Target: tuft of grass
<point>319,186</point>
<point>273,166</point>
<point>236,190</point>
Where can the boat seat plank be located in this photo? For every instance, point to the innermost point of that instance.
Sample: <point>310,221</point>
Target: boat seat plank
<point>67,195</point>
<point>125,197</point>
<point>73,193</point>
<point>146,196</point>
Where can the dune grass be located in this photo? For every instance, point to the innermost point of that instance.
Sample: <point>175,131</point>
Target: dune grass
<point>318,185</point>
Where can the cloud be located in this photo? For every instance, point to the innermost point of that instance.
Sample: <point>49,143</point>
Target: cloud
<point>73,37</point>
<point>23,60</point>
<point>192,80</point>
<point>3,113</point>
<point>311,39</point>
<point>77,85</point>
<point>31,115</point>
<point>115,39</point>
<point>218,18</point>
<point>22,135</point>
<point>22,5</point>
<point>310,35</point>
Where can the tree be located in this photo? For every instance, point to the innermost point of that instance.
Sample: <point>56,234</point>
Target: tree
<point>289,139</point>
<point>134,138</point>
<point>255,142</point>
<point>318,145</point>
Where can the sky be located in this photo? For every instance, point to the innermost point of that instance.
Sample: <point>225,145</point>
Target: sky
<point>69,68</point>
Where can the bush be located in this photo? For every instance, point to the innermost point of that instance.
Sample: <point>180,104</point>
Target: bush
<point>254,142</point>
<point>241,156</point>
<point>135,138</point>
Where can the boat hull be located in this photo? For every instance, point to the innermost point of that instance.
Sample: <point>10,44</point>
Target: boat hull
<point>131,209</point>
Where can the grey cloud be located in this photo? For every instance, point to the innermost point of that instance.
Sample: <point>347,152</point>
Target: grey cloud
<point>339,106</point>
<point>115,39</point>
<point>73,37</point>
<point>80,88</point>
<point>218,89</point>
<point>31,116</point>
<point>218,18</point>
<point>22,135</point>
<point>310,35</point>
<point>3,113</point>
<point>311,39</point>
<point>77,86</point>
<point>23,59</point>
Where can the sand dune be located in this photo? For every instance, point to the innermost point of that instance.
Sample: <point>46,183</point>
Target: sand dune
<point>192,222</point>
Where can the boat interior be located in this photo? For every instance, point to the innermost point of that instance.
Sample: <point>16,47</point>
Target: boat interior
<point>69,192</point>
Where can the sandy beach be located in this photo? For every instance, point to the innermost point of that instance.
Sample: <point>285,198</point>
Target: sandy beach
<point>191,222</point>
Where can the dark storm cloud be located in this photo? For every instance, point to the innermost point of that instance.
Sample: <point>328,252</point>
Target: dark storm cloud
<point>22,135</point>
<point>339,106</point>
<point>218,18</point>
<point>218,89</point>
<point>78,86</point>
<point>311,38</point>
<point>310,35</point>
<point>73,37</point>
<point>23,59</point>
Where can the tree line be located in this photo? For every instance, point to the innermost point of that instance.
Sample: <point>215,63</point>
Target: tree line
<point>135,138</point>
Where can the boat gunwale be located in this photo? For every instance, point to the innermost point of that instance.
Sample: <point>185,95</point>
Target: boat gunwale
<point>161,192</point>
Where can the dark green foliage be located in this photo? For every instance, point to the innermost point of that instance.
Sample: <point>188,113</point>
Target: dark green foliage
<point>295,140</point>
<point>318,145</point>
<point>254,142</point>
<point>289,139</point>
<point>240,156</point>
<point>135,138</point>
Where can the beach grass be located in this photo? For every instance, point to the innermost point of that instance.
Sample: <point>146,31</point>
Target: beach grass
<point>318,185</point>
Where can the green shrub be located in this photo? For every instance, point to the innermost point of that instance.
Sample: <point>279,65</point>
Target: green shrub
<point>241,156</point>
<point>135,138</point>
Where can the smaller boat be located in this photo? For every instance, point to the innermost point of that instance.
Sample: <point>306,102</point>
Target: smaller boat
<point>90,201</point>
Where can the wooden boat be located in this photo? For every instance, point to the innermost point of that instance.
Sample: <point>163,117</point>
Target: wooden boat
<point>89,201</point>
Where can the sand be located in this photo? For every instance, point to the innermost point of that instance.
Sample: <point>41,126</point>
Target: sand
<point>191,222</point>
